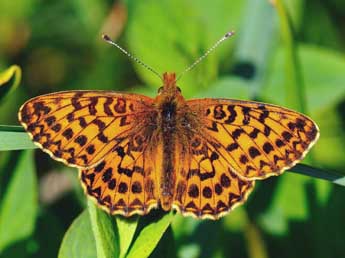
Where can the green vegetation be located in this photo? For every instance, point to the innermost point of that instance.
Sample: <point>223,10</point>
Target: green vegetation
<point>289,53</point>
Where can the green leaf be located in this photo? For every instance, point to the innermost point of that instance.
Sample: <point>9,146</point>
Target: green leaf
<point>9,80</point>
<point>177,38</point>
<point>323,72</point>
<point>78,240</point>
<point>19,205</point>
<point>319,173</point>
<point>126,228</point>
<point>14,138</point>
<point>149,237</point>
<point>227,87</point>
<point>289,202</point>
<point>103,231</point>
<point>330,149</point>
<point>166,247</point>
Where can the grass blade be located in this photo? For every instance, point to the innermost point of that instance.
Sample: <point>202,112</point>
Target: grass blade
<point>294,86</point>
<point>318,173</point>
<point>19,205</point>
<point>14,138</point>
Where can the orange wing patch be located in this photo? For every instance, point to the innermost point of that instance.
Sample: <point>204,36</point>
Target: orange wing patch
<point>257,140</point>
<point>80,127</point>
<point>206,186</point>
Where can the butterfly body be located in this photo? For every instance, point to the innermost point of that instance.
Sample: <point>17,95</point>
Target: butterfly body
<point>200,157</point>
<point>173,118</point>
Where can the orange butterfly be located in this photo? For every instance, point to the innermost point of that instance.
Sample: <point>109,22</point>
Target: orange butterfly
<point>200,157</point>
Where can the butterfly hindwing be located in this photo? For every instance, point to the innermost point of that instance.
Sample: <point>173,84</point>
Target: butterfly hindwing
<point>80,127</point>
<point>206,185</point>
<point>125,181</point>
<point>257,140</point>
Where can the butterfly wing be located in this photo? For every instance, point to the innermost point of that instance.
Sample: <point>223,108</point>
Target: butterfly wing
<point>79,128</point>
<point>125,181</point>
<point>206,186</point>
<point>257,140</point>
<point>110,136</point>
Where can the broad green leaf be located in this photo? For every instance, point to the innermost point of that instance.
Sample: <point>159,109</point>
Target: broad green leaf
<point>9,80</point>
<point>103,231</point>
<point>216,21</point>
<point>227,87</point>
<point>19,205</point>
<point>166,247</point>
<point>164,22</point>
<point>126,228</point>
<point>79,240</point>
<point>13,138</point>
<point>91,14</point>
<point>149,237</point>
<point>323,73</point>
<point>177,38</point>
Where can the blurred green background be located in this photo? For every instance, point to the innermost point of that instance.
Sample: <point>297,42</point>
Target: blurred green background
<point>58,45</point>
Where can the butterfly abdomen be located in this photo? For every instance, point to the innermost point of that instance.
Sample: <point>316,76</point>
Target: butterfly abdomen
<point>168,128</point>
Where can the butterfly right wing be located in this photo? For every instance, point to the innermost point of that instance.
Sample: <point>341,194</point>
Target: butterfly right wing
<point>79,128</point>
<point>206,185</point>
<point>257,139</point>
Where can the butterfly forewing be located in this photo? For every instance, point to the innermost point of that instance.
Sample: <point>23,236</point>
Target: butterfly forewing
<point>80,127</point>
<point>257,140</point>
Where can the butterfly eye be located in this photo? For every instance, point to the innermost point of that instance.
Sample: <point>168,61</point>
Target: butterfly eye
<point>179,89</point>
<point>160,89</point>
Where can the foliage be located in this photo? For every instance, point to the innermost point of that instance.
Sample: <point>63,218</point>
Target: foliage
<point>284,52</point>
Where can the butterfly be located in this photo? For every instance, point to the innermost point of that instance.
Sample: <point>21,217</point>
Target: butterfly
<point>134,153</point>
<point>200,157</point>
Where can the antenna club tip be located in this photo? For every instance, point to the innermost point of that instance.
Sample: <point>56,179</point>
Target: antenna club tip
<point>106,37</point>
<point>229,34</point>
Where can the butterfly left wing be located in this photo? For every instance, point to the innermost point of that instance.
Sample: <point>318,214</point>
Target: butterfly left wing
<point>109,136</point>
<point>257,140</point>
<point>79,128</point>
<point>125,181</point>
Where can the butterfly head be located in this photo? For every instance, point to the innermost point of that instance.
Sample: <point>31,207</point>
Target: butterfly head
<point>169,87</point>
<point>169,92</point>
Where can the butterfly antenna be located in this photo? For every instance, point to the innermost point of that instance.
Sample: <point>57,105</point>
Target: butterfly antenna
<point>108,40</point>
<point>225,37</point>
